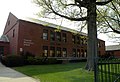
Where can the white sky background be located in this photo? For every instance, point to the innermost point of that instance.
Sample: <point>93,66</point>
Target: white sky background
<point>25,8</point>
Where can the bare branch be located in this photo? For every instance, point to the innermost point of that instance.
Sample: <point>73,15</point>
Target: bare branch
<point>103,3</point>
<point>70,18</point>
<point>114,30</point>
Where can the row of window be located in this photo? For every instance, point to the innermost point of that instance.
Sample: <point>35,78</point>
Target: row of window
<point>62,52</point>
<point>79,40</point>
<point>58,52</point>
<point>53,34</point>
<point>63,37</point>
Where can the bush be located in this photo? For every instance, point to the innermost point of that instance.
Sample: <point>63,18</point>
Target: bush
<point>52,61</point>
<point>41,60</point>
<point>13,60</point>
<point>35,60</point>
<point>28,57</point>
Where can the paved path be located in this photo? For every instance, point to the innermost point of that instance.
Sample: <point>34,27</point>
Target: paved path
<point>10,75</point>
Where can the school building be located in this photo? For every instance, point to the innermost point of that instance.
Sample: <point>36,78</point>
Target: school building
<point>43,39</point>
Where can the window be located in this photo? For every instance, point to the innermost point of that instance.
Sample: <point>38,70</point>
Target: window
<point>52,36</point>
<point>73,39</point>
<point>82,53</point>
<point>64,52</point>
<point>45,51</point>
<point>85,54</point>
<point>99,44</point>
<point>64,37</point>
<point>13,32</point>
<point>58,36</point>
<point>78,53</point>
<point>52,51</point>
<point>58,52</point>
<point>78,40</point>
<point>45,34</point>
<point>74,53</point>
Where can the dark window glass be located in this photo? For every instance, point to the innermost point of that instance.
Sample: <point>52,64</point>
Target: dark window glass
<point>78,40</point>
<point>78,53</point>
<point>64,52</point>
<point>14,33</point>
<point>52,51</point>
<point>45,51</point>
<point>58,52</point>
<point>64,37</point>
<point>73,39</point>
<point>82,53</point>
<point>74,53</point>
<point>45,34</point>
<point>58,36</point>
<point>52,36</point>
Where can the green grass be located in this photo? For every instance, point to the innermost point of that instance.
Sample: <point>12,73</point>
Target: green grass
<point>71,72</point>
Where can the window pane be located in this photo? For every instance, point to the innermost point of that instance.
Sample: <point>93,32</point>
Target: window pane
<point>64,52</point>
<point>73,39</point>
<point>45,34</point>
<point>58,36</point>
<point>64,38</point>
<point>52,51</point>
<point>74,53</point>
<point>58,52</point>
<point>52,36</point>
<point>45,50</point>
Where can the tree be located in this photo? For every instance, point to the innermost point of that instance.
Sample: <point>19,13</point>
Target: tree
<point>76,10</point>
<point>108,20</point>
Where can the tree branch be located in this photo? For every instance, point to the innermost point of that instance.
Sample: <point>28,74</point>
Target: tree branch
<point>103,3</point>
<point>70,18</point>
<point>114,30</point>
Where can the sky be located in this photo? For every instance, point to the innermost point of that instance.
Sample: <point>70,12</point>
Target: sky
<point>24,9</point>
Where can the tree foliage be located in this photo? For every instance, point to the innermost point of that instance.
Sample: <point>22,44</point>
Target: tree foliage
<point>109,17</point>
<point>76,10</point>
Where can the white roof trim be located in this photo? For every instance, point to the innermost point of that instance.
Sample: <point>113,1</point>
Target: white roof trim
<point>112,47</point>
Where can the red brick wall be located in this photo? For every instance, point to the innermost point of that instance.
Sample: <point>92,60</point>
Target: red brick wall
<point>101,47</point>
<point>117,53</point>
<point>9,28</point>
<point>30,39</point>
<point>6,47</point>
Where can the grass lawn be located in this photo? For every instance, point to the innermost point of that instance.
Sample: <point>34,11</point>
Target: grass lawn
<point>71,72</point>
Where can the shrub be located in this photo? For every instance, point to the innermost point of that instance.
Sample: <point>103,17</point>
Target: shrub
<point>28,57</point>
<point>35,60</point>
<point>13,60</point>
<point>51,61</point>
<point>41,60</point>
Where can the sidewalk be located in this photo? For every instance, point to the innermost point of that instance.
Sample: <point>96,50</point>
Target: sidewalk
<point>10,75</point>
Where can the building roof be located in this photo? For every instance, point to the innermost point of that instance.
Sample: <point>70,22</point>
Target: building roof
<point>4,38</point>
<point>112,47</point>
<point>37,21</point>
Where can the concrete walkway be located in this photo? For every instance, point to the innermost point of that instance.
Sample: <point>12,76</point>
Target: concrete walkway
<point>10,75</point>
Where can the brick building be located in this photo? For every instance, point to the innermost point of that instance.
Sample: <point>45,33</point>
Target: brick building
<point>113,50</point>
<point>44,39</point>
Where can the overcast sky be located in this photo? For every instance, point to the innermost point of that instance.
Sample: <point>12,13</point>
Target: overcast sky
<point>22,8</point>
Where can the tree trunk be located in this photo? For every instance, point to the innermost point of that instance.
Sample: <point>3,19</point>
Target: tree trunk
<point>92,36</point>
